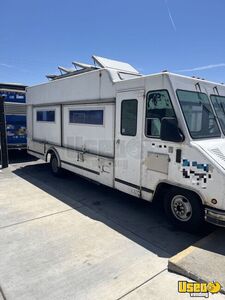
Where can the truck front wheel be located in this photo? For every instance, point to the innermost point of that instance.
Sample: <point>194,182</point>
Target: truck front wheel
<point>184,209</point>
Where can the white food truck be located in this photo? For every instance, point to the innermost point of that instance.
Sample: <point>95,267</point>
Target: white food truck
<point>158,136</point>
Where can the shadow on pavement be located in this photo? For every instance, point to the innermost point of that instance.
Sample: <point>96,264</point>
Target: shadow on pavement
<point>19,156</point>
<point>136,219</point>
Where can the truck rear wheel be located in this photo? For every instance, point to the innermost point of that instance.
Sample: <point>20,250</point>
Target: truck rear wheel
<point>56,170</point>
<point>184,210</point>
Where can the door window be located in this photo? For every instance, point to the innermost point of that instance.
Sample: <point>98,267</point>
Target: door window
<point>158,106</point>
<point>129,117</point>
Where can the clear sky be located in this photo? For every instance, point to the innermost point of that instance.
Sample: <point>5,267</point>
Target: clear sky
<point>186,37</point>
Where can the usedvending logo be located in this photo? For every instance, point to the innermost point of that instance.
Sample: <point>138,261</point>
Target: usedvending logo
<point>197,289</point>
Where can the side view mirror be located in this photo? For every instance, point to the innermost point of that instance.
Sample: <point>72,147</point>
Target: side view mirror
<point>170,131</point>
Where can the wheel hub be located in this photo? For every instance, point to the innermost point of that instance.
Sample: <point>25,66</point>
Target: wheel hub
<point>181,208</point>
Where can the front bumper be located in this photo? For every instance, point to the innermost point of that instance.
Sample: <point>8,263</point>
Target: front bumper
<point>215,216</point>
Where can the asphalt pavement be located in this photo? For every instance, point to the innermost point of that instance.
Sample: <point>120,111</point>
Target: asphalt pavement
<point>69,238</point>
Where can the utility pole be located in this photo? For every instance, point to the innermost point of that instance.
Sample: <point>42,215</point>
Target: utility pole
<point>3,137</point>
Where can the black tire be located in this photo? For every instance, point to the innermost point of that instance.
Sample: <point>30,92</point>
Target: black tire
<point>184,210</point>
<point>56,170</point>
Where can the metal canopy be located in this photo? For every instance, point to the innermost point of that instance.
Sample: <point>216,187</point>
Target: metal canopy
<point>100,62</point>
<point>52,76</point>
<point>114,64</point>
<point>85,66</point>
<point>65,70</point>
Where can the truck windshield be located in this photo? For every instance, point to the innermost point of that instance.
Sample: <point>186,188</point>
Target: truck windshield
<point>219,105</point>
<point>198,114</point>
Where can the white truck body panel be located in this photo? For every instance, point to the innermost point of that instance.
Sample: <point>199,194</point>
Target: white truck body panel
<point>95,139</point>
<point>87,86</point>
<point>47,132</point>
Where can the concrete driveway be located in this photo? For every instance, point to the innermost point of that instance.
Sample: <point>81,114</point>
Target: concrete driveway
<point>68,238</point>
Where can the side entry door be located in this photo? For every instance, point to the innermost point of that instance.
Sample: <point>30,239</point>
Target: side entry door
<point>128,139</point>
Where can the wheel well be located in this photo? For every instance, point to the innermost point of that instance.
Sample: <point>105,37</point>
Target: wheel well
<point>50,153</point>
<point>163,187</point>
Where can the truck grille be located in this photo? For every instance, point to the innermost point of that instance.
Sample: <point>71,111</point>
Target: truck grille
<point>218,153</point>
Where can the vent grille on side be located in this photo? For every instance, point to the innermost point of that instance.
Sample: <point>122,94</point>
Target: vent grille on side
<point>218,153</point>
